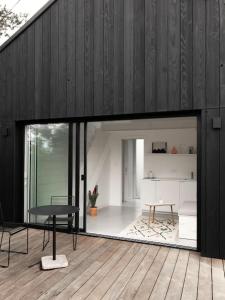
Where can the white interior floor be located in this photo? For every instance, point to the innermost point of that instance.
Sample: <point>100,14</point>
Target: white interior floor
<point>111,220</point>
<point>127,221</point>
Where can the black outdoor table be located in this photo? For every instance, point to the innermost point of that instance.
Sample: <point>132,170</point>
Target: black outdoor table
<point>56,261</point>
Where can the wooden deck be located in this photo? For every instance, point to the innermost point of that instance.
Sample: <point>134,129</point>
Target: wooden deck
<point>111,269</point>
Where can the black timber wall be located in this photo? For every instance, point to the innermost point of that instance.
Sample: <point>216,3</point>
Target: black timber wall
<point>85,58</point>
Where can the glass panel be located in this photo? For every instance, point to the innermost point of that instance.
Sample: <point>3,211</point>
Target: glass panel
<point>46,165</point>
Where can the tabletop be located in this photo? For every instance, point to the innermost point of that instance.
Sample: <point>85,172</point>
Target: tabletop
<point>51,210</point>
<point>160,204</point>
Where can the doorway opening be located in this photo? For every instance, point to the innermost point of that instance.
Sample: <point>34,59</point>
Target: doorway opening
<point>132,171</point>
<point>142,174</point>
<point>146,174</point>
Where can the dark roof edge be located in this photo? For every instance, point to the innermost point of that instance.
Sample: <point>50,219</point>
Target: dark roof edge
<point>27,24</point>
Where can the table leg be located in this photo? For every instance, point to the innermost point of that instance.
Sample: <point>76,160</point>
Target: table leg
<point>54,238</point>
<point>172,214</point>
<point>153,221</point>
<point>149,218</point>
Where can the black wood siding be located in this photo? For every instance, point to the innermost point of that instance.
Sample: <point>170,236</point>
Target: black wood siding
<point>83,58</point>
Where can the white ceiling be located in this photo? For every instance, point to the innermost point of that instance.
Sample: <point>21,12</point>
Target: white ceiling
<point>147,124</point>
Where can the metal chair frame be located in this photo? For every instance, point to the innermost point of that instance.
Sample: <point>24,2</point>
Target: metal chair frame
<point>68,219</point>
<point>12,229</point>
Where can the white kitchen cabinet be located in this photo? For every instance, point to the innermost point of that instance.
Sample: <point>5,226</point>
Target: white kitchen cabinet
<point>168,191</point>
<point>172,191</point>
<point>188,210</point>
<point>147,192</point>
<point>188,191</point>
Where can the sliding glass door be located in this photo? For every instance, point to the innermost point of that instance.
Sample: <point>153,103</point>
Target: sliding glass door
<point>54,166</point>
<point>46,172</point>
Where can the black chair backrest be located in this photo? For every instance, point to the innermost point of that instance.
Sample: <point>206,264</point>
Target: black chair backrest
<point>62,200</point>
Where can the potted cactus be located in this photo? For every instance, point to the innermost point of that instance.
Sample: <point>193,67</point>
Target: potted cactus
<point>92,201</point>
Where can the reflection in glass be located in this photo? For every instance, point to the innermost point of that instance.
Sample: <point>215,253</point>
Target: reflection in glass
<point>46,165</point>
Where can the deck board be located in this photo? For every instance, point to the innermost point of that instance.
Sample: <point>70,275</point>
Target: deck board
<point>110,269</point>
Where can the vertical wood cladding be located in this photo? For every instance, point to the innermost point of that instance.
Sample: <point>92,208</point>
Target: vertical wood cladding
<point>108,57</point>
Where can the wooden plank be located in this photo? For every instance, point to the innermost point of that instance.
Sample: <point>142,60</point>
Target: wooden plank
<point>186,54</point>
<point>3,75</point>
<point>94,266</point>
<point>111,277</point>
<point>16,93</point>
<point>139,56</point>
<point>22,76</point>
<point>222,53</point>
<point>136,280</point>
<point>150,55</point>
<point>128,55</point>
<point>162,55</point>
<point>19,263</point>
<point>122,280</point>
<point>212,200</point>
<point>218,279</point>
<point>30,89</point>
<point>8,79</point>
<point>54,69</point>
<point>79,106</point>
<point>205,279</point>
<point>199,53</point>
<point>102,268</point>
<point>71,58</point>
<point>37,283</point>
<point>163,281</point>
<point>62,75</point>
<point>78,264</point>
<point>212,54</point>
<point>88,57</point>
<point>38,68</point>
<point>148,283</point>
<point>97,278</point>
<point>46,60</point>
<point>14,84</point>
<point>41,285</point>
<point>222,186</point>
<point>98,56</point>
<point>108,56</point>
<point>177,279</point>
<point>174,83</point>
<point>118,80</point>
<point>190,289</point>
<point>201,205</point>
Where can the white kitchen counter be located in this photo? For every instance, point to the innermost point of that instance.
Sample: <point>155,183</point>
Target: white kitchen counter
<point>169,179</point>
<point>174,190</point>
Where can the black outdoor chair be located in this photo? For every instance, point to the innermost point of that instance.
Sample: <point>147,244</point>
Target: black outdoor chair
<point>11,229</point>
<point>67,220</point>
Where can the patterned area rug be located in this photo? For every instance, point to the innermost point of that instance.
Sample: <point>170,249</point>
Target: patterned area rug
<point>162,230</point>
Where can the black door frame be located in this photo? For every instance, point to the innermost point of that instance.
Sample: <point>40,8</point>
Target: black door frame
<point>85,121</point>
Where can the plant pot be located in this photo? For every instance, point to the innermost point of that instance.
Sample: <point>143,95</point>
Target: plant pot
<point>93,211</point>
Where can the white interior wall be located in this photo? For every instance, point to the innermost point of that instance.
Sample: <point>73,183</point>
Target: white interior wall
<point>105,159</point>
<point>98,166</point>
<point>171,166</point>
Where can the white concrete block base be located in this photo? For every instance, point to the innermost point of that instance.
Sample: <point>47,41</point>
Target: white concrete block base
<point>48,263</point>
